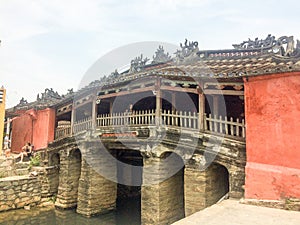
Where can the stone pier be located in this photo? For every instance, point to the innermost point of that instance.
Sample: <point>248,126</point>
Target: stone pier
<point>70,167</point>
<point>97,192</point>
<point>162,197</point>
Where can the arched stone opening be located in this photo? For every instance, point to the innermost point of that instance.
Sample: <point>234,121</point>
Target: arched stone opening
<point>129,177</point>
<point>217,183</point>
<point>54,159</point>
<point>204,186</point>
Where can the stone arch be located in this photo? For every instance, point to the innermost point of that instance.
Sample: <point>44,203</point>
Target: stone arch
<point>54,159</point>
<point>129,176</point>
<point>217,183</point>
<point>236,178</point>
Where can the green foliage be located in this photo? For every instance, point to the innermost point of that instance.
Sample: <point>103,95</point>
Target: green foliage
<point>52,198</point>
<point>35,160</point>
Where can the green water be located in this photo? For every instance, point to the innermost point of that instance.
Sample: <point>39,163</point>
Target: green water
<point>127,213</point>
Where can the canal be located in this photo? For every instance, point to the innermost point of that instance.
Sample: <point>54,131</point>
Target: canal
<point>128,213</point>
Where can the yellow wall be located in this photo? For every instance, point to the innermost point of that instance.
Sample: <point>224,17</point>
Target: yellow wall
<point>2,115</point>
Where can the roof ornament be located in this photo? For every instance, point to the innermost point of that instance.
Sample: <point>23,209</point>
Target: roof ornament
<point>160,56</point>
<point>283,46</point>
<point>48,94</point>
<point>114,74</point>
<point>22,102</point>
<point>188,51</point>
<point>137,64</point>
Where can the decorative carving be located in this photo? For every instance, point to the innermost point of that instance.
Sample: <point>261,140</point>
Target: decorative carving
<point>48,94</point>
<point>283,46</point>
<point>70,91</point>
<point>114,74</point>
<point>250,44</point>
<point>137,64</point>
<point>22,102</point>
<point>188,50</point>
<point>160,55</point>
<point>148,151</point>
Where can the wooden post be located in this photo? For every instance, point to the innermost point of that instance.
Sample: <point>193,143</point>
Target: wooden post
<point>201,106</point>
<point>158,102</point>
<point>94,113</point>
<point>173,101</point>
<point>2,114</point>
<point>73,119</point>
<point>216,105</point>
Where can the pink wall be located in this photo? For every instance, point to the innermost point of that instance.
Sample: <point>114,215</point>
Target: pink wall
<point>43,130</point>
<point>272,110</point>
<point>33,126</point>
<point>21,132</point>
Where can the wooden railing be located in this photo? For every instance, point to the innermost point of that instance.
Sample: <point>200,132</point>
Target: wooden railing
<point>188,120</point>
<point>62,132</point>
<point>82,125</point>
<point>143,117</point>
<point>180,119</point>
<point>224,125</point>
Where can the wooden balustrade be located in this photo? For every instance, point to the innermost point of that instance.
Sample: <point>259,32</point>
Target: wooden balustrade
<point>82,125</point>
<point>225,125</point>
<point>143,117</point>
<point>62,132</point>
<point>188,120</point>
<point>180,119</point>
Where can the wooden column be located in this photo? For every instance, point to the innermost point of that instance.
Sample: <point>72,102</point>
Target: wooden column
<point>110,107</point>
<point>94,113</point>
<point>216,105</point>
<point>158,102</point>
<point>73,115</point>
<point>201,98</point>
<point>173,101</point>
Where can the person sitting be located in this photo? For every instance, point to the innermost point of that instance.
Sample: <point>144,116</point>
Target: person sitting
<point>26,151</point>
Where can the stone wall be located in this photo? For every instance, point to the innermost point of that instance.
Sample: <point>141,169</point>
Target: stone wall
<point>49,180</point>
<point>19,191</point>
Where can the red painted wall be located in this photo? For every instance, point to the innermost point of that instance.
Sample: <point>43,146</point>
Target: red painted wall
<point>43,130</point>
<point>272,110</point>
<point>33,126</point>
<point>21,132</point>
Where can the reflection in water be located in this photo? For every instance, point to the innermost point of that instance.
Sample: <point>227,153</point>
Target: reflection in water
<point>128,213</point>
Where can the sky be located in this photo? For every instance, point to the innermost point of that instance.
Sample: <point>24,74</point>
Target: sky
<point>52,44</point>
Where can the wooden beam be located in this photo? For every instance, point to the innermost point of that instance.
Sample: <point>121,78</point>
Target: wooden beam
<point>139,90</point>
<point>223,92</point>
<point>180,89</point>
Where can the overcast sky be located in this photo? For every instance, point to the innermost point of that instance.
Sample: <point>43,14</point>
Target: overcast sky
<point>53,43</point>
